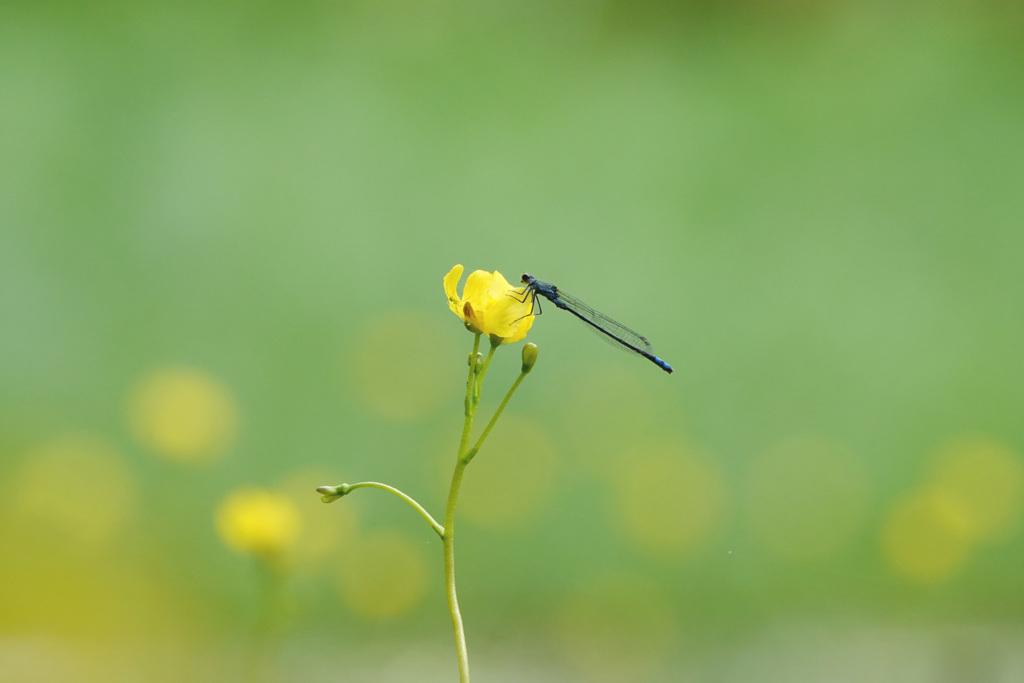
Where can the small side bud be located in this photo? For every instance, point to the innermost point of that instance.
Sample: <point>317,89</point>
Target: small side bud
<point>529,356</point>
<point>329,494</point>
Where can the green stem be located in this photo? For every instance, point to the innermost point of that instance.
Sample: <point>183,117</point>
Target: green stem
<point>483,373</point>
<point>449,514</point>
<point>266,627</point>
<point>408,499</point>
<point>449,572</point>
<point>490,425</point>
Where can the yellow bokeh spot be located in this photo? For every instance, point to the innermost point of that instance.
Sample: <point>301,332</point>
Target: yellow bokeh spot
<point>926,536</point>
<point>184,414</point>
<point>806,499</point>
<point>76,490</point>
<point>510,479</point>
<point>383,575</point>
<point>986,479</point>
<point>616,629</point>
<point>667,497</point>
<point>399,365</point>
<point>258,522</point>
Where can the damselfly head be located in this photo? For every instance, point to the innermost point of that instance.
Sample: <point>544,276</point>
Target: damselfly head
<point>527,278</point>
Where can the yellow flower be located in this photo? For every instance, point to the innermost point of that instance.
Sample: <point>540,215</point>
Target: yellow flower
<point>257,522</point>
<point>489,304</point>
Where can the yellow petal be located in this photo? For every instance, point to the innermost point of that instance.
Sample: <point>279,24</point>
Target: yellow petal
<point>522,328</point>
<point>477,289</point>
<point>451,280</point>
<point>508,317</point>
<point>499,286</point>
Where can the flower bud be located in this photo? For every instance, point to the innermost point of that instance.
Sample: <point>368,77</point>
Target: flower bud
<point>329,494</point>
<point>529,356</point>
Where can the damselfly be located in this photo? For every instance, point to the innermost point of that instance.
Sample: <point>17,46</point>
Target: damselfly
<point>617,333</point>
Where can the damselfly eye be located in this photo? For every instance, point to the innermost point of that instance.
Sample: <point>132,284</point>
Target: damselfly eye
<point>526,278</point>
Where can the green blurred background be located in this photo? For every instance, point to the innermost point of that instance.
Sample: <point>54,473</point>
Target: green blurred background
<point>223,230</point>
